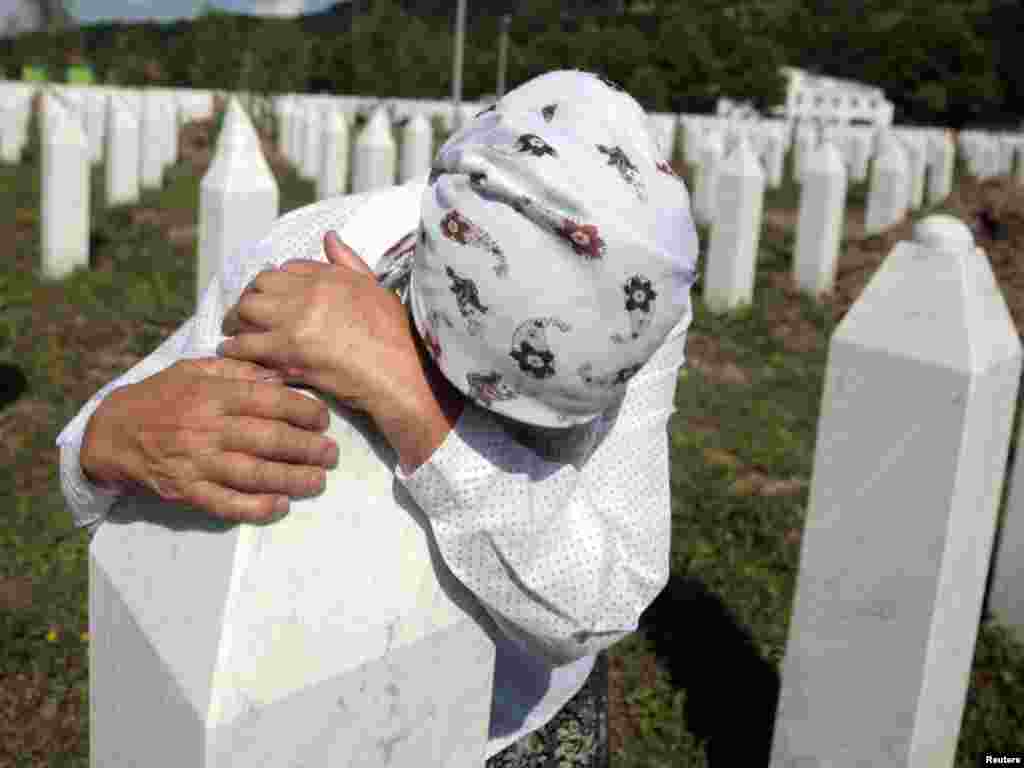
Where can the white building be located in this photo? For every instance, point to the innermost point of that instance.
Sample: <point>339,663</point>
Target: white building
<point>833,100</point>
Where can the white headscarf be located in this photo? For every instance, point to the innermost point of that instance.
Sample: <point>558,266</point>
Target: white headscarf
<point>555,251</point>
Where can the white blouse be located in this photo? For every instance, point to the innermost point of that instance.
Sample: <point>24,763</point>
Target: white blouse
<point>563,537</point>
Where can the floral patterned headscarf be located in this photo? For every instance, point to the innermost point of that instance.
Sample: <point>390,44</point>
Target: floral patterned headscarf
<point>555,251</point>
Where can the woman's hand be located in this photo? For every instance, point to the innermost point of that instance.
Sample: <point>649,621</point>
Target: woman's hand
<point>211,433</point>
<point>329,326</point>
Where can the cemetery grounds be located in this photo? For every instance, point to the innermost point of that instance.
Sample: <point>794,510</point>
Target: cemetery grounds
<point>697,683</point>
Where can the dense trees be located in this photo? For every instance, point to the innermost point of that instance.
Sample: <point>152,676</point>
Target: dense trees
<point>953,62</point>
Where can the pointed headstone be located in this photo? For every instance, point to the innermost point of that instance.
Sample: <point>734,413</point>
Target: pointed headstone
<point>735,232</point>
<point>820,221</point>
<point>417,149</point>
<point>64,194</point>
<point>121,171</point>
<point>151,143</point>
<point>705,188</point>
<point>238,196</point>
<point>375,158</point>
<point>333,177</point>
<point>887,192</point>
<point>912,441</point>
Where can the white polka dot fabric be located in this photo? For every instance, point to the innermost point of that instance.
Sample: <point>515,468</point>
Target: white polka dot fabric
<point>563,535</point>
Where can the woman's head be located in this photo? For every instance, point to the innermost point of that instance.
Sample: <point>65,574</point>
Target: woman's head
<point>556,251</point>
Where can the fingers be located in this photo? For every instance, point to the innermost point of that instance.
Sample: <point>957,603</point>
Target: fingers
<point>270,401</point>
<point>229,368</point>
<point>248,474</point>
<point>234,506</point>
<point>339,253</point>
<point>281,442</point>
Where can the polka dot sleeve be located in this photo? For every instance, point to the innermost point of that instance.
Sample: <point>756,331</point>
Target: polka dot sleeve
<point>564,554</point>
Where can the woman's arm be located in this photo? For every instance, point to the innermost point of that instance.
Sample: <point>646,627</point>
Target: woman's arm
<point>197,337</point>
<point>565,558</point>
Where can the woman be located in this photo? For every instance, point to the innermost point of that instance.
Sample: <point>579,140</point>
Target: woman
<point>525,377</point>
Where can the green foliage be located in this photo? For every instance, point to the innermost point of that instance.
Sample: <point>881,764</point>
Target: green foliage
<point>943,62</point>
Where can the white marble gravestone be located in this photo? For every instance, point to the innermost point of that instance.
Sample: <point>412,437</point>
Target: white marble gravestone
<point>1006,599</point>
<point>705,185</point>
<point>297,148</point>
<point>312,151</point>
<point>887,192</point>
<point>333,638</point>
<point>914,150</point>
<point>820,221</point>
<point>285,110</point>
<point>238,195</point>
<point>735,231</point>
<point>121,170</point>
<point>375,158</point>
<point>95,122</point>
<point>417,149</point>
<point>64,192</point>
<point>940,170</point>
<point>333,167</point>
<point>913,436</point>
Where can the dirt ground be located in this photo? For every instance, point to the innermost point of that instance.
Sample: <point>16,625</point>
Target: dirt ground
<point>103,345</point>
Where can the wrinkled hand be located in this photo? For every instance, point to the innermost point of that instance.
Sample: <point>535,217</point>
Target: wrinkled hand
<point>213,434</point>
<point>329,326</point>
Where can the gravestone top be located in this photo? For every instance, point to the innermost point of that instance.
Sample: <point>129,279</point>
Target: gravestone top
<point>943,233</point>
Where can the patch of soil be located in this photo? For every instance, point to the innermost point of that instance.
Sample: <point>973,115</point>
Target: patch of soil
<point>622,728</point>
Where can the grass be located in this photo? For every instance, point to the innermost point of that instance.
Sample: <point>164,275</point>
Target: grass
<point>701,675</point>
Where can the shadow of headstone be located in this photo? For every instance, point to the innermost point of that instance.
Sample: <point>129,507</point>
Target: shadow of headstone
<point>731,692</point>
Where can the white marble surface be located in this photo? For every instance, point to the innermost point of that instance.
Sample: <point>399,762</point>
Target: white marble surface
<point>912,441</point>
<point>334,637</point>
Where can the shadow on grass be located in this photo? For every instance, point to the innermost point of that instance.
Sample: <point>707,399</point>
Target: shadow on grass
<point>731,691</point>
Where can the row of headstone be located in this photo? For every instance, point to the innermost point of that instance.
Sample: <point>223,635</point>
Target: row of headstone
<point>993,154</point>
<point>89,103</point>
<point>315,139</point>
